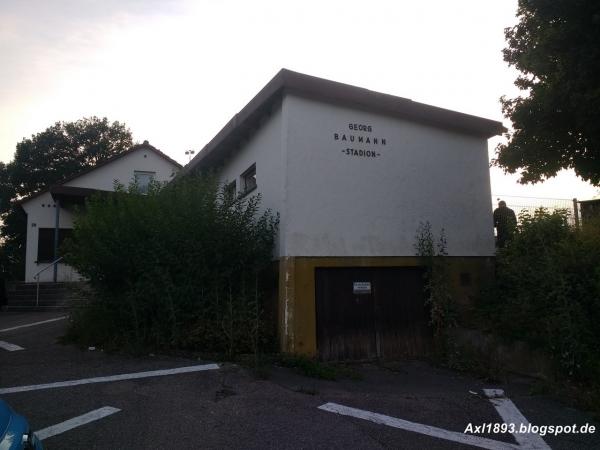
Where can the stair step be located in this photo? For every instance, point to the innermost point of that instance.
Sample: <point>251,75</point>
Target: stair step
<point>18,308</point>
<point>67,294</point>
<point>34,303</point>
<point>32,306</point>
<point>40,298</point>
<point>28,286</point>
<point>24,296</point>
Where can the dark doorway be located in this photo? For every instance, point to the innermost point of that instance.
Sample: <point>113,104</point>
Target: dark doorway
<point>370,312</point>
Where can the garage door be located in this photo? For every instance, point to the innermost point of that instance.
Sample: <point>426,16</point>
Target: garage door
<point>374,312</point>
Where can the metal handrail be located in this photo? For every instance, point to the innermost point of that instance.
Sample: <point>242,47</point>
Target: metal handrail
<point>36,277</point>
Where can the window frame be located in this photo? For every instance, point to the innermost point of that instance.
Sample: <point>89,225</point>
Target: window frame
<point>249,172</point>
<point>231,190</point>
<point>144,190</point>
<point>48,248</point>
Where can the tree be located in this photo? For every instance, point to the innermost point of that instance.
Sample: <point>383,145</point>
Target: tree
<point>556,121</point>
<point>46,158</point>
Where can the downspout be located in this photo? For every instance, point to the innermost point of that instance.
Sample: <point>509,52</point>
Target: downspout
<point>56,229</point>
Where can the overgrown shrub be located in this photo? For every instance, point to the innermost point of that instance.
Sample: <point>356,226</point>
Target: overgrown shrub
<point>184,266</point>
<point>438,297</point>
<point>547,292</point>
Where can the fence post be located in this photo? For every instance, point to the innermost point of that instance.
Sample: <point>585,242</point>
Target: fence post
<point>576,212</point>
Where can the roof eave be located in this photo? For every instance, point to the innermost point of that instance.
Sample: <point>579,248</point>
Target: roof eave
<point>287,82</point>
<point>133,148</point>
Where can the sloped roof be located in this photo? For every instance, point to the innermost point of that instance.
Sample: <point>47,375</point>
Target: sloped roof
<point>289,82</point>
<point>145,146</point>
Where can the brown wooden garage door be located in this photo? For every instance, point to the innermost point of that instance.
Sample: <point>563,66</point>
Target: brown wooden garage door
<point>374,312</point>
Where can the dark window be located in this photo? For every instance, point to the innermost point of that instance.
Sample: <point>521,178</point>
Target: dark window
<point>46,243</point>
<point>230,190</point>
<point>465,279</point>
<point>249,179</point>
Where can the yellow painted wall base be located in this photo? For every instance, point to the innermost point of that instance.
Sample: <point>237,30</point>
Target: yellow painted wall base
<point>296,311</point>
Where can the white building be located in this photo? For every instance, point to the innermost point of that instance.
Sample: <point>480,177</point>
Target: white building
<point>352,173</point>
<point>52,209</point>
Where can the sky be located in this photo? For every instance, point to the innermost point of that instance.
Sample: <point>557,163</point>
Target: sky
<point>176,71</point>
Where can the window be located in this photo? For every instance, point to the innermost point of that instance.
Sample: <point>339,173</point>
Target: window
<point>230,190</point>
<point>143,179</point>
<point>46,243</point>
<point>249,179</point>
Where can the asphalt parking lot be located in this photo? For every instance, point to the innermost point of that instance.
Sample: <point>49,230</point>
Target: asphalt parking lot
<point>88,399</point>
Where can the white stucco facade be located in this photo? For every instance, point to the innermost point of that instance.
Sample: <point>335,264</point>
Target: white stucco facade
<point>41,213</point>
<point>41,208</point>
<point>122,171</point>
<point>367,201</point>
<point>264,150</point>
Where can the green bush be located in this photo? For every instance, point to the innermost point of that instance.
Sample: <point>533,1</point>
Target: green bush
<point>185,266</point>
<point>314,368</point>
<point>438,298</point>
<point>308,366</point>
<point>547,292</point>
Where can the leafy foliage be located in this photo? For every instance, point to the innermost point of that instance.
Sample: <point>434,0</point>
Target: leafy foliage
<point>548,291</point>
<point>6,188</point>
<point>556,48</point>
<point>59,152</point>
<point>185,266</point>
<point>64,149</point>
<point>313,368</point>
<point>437,289</point>
<point>309,367</point>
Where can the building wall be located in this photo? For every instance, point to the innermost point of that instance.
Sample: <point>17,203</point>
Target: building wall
<point>351,205</point>
<point>263,148</point>
<point>121,170</point>
<point>359,204</point>
<point>297,302</point>
<point>41,213</point>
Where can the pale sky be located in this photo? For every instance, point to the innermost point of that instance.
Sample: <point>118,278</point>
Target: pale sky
<point>175,71</point>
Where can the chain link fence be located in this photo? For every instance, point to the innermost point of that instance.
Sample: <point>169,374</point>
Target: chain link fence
<point>529,204</point>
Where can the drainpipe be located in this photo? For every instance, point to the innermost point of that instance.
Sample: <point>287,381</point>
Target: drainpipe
<point>56,228</point>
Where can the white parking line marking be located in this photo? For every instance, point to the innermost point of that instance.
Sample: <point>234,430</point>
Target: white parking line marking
<point>75,422</point>
<point>10,347</point>
<point>448,435</point>
<point>511,414</point>
<point>33,324</point>
<point>125,376</point>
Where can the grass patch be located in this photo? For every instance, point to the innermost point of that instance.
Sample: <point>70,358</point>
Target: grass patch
<point>484,364</point>
<point>312,368</point>
<point>308,367</point>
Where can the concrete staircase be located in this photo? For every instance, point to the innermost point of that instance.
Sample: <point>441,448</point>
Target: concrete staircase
<point>53,296</point>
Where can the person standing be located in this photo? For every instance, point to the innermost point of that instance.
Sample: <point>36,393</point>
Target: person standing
<point>505,222</point>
